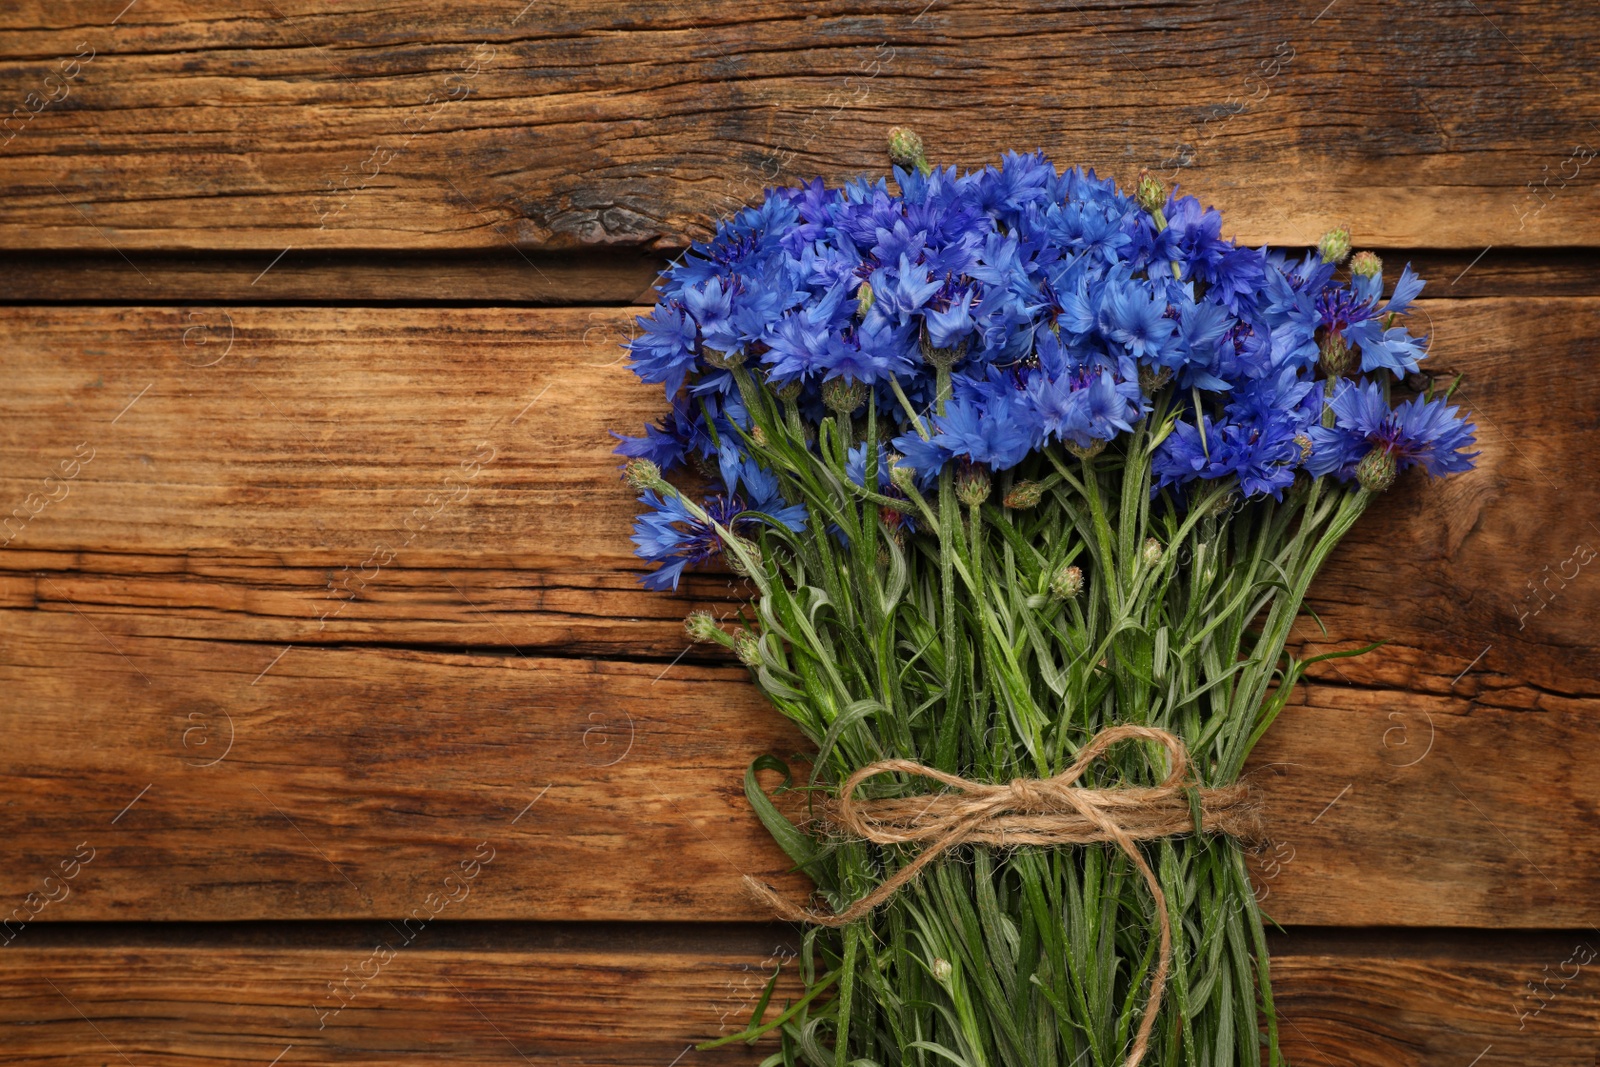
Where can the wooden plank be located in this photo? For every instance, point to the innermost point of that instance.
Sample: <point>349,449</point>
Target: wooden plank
<point>240,453</point>
<point>575,997</point>
<point>293,781</point>
<point>483,123</point>
<point>504,277</point>
<point>512,278</point>
<point>227,523</point>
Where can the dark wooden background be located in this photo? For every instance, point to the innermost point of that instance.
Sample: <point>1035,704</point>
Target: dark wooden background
<point>317,604</point>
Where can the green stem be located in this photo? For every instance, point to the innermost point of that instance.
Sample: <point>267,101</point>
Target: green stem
<point>841,1048</point>
<point>752,1033</point>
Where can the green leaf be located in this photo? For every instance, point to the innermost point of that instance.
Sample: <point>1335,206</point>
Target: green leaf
<point>796,845</point>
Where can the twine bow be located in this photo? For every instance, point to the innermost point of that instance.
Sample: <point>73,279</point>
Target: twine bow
<point>1034,811</point>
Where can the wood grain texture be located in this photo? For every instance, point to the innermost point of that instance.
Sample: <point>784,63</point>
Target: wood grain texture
<point>505,277</point>
<point>347,782</point>
<point>225,555</point>
<point>521,994</point>
<point>265,126</point>
<point>513,278</point>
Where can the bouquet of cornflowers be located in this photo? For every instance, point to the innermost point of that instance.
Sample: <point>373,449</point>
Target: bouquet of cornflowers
<point>1028,478</point>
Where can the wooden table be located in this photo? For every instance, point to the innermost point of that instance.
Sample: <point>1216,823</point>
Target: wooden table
<point>336,727</point>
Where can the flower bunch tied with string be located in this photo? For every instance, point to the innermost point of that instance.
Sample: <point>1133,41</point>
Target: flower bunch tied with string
<point>1027,477</point>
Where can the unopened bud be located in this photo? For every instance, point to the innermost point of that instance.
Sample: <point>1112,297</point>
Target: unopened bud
<point>1303,442</point>
<point>1094,448</point>
<point>1066,583</point>
<point>864,298</point>
<point>972,485</point>
<point>906,150</point>
<point>1151,553</point>
<point>902,477</point>
<point>1376,471</point>
<point>735,561</point>
<point>1366,265</point>
<point>842,396</point>
<point>788,391</point>
<point>1150,193</point>
<point>701,627</point>
<point>747,646</point>
<point>642,474</point>
<point>1334,246</point>
<point>758,436</point>
<point>1024,495</point>
<point>1336,359</point>
<point>941,969</point>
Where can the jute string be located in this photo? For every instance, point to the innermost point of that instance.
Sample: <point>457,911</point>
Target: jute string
<point>1034,811</point>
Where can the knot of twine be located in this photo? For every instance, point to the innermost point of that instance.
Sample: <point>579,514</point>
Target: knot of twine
<point>1035,811</point>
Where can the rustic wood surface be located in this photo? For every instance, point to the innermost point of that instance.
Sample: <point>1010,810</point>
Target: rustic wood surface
<point>638,996</point>
<point>333,657</point>
<point>315,586</point>
<point>480,124</point>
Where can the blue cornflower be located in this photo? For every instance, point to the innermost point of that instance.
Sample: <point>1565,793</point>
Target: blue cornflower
<point>1354,314</point>
<point>678,435</point>
<point>798,343</point>
<point>1083,406</point>
<point>876,350</point>
<point>902,291</point>
<point>952,325</point>
<point>1133,318</point>
<point>1417,433</point>
<point>673,535</point>
<point>666,351</point>
<point>925,456</point>
<point>997,430</point>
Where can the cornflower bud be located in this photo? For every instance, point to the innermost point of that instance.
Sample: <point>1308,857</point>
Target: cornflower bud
<point>1152,552</point>
<point>735,563</point>
<point>1150,193</point>
<point>1376,471</point>
<point>906,150</point>
<point>972,484</point>
<point>642,474</point>
<point>842,396</point>
<point>1066,583</point>
<point>1303,442</point>
<point>1366,265</point>
<point>747,646</point>
<point>1334,246</point>
<point>758,435</point>
<point>701,627</point>
<point>788,392</point>
<point>1095,448</point>
<point>941,969</point>
<point>864,299</point>
<point>1336,359</point>
<point>902,477</point>
<point>1024,495</point>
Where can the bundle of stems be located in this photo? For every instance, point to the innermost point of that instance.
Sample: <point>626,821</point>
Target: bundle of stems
<point>1014,623</point>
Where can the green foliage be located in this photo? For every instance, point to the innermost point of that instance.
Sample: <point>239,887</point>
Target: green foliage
<point>947,646</point>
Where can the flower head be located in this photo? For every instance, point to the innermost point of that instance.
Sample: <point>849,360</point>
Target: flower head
<point>1417,433</point>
